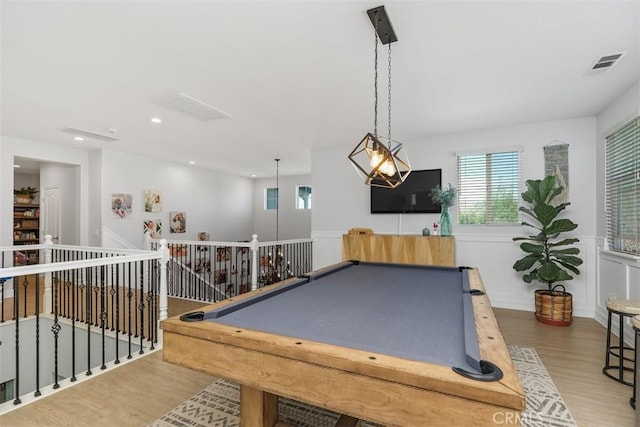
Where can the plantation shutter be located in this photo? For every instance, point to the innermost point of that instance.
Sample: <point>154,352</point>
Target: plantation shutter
<point>623,188</point>
<point>489,187</point>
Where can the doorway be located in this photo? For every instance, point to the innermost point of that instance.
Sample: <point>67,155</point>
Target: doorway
<point>51,223</point>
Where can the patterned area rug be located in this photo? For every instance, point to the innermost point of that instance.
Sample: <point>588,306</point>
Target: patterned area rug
<point>217,405</point>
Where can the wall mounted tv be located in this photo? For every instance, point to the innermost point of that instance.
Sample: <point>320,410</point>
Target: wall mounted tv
<point>412,196</point>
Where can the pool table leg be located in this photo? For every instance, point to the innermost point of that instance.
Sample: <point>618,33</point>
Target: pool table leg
<point>257,408</point>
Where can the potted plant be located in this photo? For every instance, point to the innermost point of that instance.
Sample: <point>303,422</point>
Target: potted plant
<point>445,198</point>
<point>25,194</point>
<point>549,259</point>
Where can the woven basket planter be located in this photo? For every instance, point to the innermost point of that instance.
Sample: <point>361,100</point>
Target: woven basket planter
<point>23,200</point>
<point>554,307</point>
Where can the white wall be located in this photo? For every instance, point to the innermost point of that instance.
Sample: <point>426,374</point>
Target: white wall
<point>214,202</point>
<point>95,197</point>
<point>26,180</point>
<point>618,275</point>
<point>341,202</point>
<point>292,223</point>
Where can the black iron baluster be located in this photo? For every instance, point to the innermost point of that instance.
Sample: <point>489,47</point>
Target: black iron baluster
<point>88,318</point>
<point>16,306</point>
<point>190,268</point>
<point>141,308</point>
<point>150,305</point>
<point>103,315</point>
<point>96,297</point>
<point>112,293</point>
<point>82,301</point>
<point>129,297</point>
<point>74,314</point>
<point>117,310</point>
<point>37,298</point>
<point>55,328</point>
<point>135,297</point>
<point>153,308</point>
<point>65,295</point>
<point>25,283</point>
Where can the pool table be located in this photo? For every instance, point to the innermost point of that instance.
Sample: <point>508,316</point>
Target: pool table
<point>396,344</point>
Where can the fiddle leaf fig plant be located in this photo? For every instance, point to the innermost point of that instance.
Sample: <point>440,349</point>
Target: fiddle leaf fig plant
<point>549,258</point>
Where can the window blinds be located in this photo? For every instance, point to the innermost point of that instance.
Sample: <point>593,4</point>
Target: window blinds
<point>623,188</point>
<point>271,199</point>
<point>489,187</point>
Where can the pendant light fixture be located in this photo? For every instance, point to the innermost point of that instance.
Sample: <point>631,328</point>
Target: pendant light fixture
<point>379,160</point>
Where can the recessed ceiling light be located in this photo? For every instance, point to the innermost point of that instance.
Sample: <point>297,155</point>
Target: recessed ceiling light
<point>16,166</point>
<point>156,120</point>
<point>192,162</point>
<point>78,138</point>
<point>253,175</point>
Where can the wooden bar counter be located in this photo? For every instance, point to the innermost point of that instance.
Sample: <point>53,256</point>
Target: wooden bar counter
<point>399,249</point>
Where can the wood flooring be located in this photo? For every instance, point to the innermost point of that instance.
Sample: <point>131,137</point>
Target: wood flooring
<point>139,392</point>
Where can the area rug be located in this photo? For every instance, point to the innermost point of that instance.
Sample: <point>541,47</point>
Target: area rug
<point>217,405</point>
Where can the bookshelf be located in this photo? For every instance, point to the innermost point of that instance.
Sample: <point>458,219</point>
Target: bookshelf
<point>26,231</point>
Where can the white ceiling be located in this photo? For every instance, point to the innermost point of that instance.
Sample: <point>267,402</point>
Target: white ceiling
<point>299,75</point>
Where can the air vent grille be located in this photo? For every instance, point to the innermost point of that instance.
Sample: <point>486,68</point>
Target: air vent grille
<point>192,107</point>
<point>607,61</point>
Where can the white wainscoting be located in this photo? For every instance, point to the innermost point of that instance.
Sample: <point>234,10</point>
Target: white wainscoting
<point>619,277</point>
<point>494,256</point>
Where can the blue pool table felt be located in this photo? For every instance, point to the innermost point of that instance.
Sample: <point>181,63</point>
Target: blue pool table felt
<point>416,313</point>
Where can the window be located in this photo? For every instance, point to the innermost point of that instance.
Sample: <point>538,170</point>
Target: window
<point>489,187</point>
<point>623,188</point>
<point>271,198</point>
<point>303,197</point>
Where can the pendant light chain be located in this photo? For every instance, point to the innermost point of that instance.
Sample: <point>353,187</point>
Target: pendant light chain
<point>389,98</point>
<point>375,81</point>
<point>277,195</point>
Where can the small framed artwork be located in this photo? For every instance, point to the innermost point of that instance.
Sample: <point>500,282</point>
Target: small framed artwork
<point>153,200</point>
<point>153,228</point>
<point>121,205</point>
<point>203,236</point>
<point>177,222</point>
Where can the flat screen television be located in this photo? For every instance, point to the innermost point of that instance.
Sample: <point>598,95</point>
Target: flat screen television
<point>412,196</point>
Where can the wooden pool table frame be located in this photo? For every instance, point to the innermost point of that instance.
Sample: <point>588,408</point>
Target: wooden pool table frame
<point>389,390</point>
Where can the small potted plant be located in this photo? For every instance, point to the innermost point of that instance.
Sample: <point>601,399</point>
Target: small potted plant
<point>25,194</point>
<point>445,198</point>
<point>549,259</point>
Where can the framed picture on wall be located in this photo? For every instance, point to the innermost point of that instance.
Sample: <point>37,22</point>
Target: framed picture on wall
<point>178,222</point>
<point>153,228</point>
<point>121,205</point>
<point>153,200</point>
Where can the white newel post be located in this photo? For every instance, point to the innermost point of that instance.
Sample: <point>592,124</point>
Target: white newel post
<point>254,262</point>
<point>164,261</point>
<point>48,295</point>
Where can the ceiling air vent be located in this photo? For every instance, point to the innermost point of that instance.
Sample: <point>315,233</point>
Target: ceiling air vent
<point>607,61</point>
<point>192,107</point>
<point>90,134</point>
